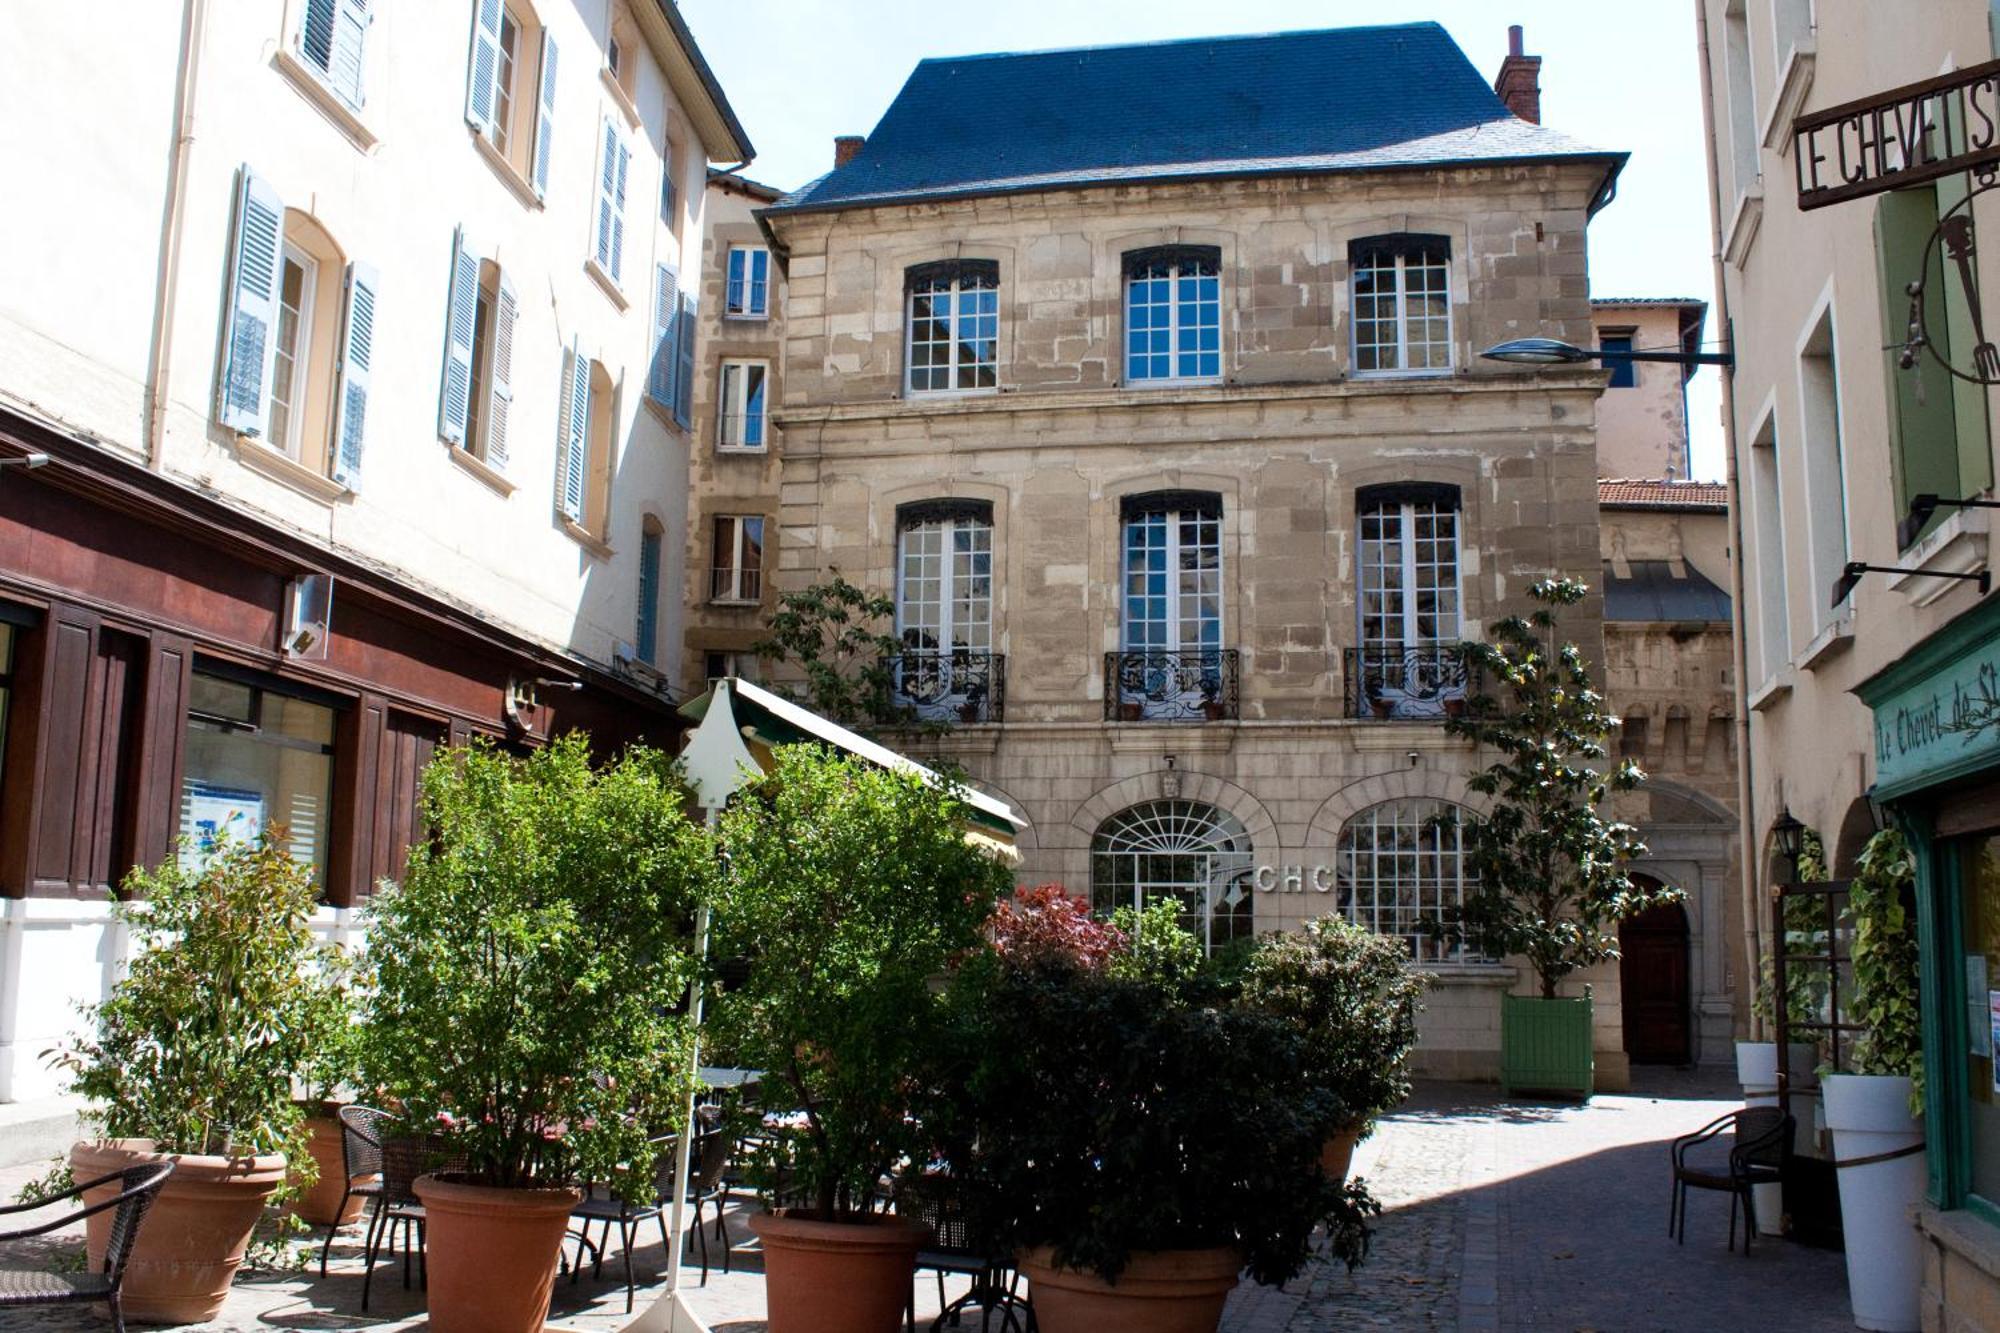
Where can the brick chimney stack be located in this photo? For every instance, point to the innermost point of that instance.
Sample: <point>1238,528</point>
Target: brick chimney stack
<point>847,147</point>
<point>1519,82</point>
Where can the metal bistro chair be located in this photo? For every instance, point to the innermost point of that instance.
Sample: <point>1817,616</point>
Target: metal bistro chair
<point>948,1207</point>
<point>361,1159</point>
<point>395,1202</point>
<point>1760,1155</point>
<point>607,1208</point>
<point>138,1187</point>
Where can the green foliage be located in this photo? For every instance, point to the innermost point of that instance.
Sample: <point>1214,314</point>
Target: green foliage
<point>1881,916</point>
<point>1808,990</point>
<point>1158,949</point>
<point>228,995</point>
<point>1552,884</point>
<point>850,889</point>
<point>835,634</point>
<point>1350,995</point>
<point>527,969</point>
<point>1103,1116</point>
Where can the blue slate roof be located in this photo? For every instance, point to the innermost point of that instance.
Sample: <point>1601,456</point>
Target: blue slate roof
<point>1340,99</point>
<point>1654,592</point>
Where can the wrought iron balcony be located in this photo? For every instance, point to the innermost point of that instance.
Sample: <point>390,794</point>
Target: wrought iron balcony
<point>1155,685</point>
<point>956,685</point>
<point>1405,684</point>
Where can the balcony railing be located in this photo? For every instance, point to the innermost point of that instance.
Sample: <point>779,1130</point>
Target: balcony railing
<point>1156,685</point>
<point>956,685</point>
<point>729,584</point>
<point>1405,684</point>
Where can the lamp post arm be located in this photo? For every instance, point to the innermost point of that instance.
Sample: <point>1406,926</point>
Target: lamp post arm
<point>1610,357</point>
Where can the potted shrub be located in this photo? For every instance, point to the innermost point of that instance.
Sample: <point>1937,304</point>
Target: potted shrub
<point>228,992</point>
<point>1874,1110</point>
<point>521,1006</point>
<point>1806,993</point>
<point>850,889</point>
<point>1139,1149</point>
<point>1552,884</point>
<point>321,1197</point>
<point>1347,993</point>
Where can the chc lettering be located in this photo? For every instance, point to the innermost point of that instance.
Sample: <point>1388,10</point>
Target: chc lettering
<point>1293,879</point>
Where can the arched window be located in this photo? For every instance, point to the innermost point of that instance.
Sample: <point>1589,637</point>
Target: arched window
<point>1398,864</point>
<point>1181,851</point>
<point>944,609</point>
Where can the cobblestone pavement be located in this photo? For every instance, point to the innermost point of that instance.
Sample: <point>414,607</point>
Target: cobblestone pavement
<point>1500,1218</point>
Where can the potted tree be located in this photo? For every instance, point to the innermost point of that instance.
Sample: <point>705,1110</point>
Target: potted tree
<point>522,1005</point>
<point>1139,1148</point>
<point>321,1191</point>
<point>192,1058</point>
<point>1874,1110</point>
<point>1350,997</point>
<point>1552,884</point>
<point>850,889</point>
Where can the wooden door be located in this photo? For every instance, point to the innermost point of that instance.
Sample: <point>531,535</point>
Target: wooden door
<point>1653,977</point>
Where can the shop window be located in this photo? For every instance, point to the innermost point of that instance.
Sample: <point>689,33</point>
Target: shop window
<point>953,330</point>
<point>1173,314</point>
<point>1183,852</point>
<point>1399,864</point>
<point>1980,876</point>
<point>256,757</point>
<point>1401,289</point>
<point>510,87</point>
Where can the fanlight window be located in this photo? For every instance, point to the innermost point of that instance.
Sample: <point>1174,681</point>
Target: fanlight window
<point>1180,851</point>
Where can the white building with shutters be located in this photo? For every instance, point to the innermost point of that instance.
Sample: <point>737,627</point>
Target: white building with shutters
<point>303,294</point>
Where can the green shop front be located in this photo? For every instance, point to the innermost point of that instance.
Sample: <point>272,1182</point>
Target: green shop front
<point>1937,765</point>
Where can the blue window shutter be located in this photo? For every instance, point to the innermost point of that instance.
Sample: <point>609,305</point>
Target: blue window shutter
<point>506,307</point>
<point>256,261</point>
<point>484,73</point>
<point>316,32</point>
<point>461,308</point>
<point>684,364</point>
<point>607,177</point>
<point>664,365</point>
<point>760,282</point>
<point>618,212</point>
<point>357,352</point>
<point>545,116</point>
<point>574,455</point>
<point>649,595</point>
<point>345,62</point>
<point>732,299</point>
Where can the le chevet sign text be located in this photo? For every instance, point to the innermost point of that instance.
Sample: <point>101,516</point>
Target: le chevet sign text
<point>1941,724</point>
<point>1902,137</point>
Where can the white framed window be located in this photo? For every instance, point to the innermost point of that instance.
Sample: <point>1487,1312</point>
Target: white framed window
<point>1398,864</point>
<point>1173,578</point>
<point>1409,599</point>
<point>944,609</point>
<point>1401,288</point>
<point>741,398</point>
<point>953,326</point>
<point>747,293</point>
<point>1173,315</point>
<point>1183,852</point>
<point>738,572</point>
<point>332,40</point>
<point>510,88</point>
<point>722,665</point>
<point>298,276</point>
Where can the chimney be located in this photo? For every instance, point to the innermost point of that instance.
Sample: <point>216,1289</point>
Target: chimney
<point>847,147</point>
<point>1519,82</point>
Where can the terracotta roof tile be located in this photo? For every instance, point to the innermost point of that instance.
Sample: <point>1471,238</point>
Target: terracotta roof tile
<point>1626,493</point>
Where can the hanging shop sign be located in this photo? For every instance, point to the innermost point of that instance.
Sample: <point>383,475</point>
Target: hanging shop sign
<point>1899,138</point>
<point>1937,710</point>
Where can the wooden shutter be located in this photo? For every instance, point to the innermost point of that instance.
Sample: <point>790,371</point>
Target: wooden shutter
<point>545,115</point>
<point>350,32</point>
<point>611,179</point>
<point>505,308</point>
<point>573,455</point>
<point>684,364</point>
<point>461,309</point>
<point>357,351</point>
<point>485,66</point>
<point>316,27</point>
<point>665,363</point>
<point>256,260</point>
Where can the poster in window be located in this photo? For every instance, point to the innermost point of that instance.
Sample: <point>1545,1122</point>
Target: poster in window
<point>1993,1027</point>
<point>211,812</point>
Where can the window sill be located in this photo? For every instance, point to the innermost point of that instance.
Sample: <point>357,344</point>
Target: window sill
<point>587,539</point>
<point>324,99</point>
<point>619,95</point>
<point>1955,546</point>
<point>1203,382</point>
<point>932,394</point>
<point>1445,372</point>
<point>736,603</point>
<point>750,450</point>
<point>1768,694</point>
<point>1829,643</point>
<point>523,188</point>
<point>1743,224</point>
<point>260,457</point>
<point>746,317</point>
<point>1793,85</point>
<point>478,468</point>
<point>607,282</point>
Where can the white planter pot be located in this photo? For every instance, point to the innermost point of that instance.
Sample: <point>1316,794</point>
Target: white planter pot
<point>1757,1071</point>
<point>1869,1114</point>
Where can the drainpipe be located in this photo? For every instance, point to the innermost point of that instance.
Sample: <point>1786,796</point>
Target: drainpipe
<point>194,21</point>
<point>1746,838</point>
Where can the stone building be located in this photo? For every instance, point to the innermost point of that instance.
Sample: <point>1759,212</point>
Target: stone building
<point>1148,376</point>
<point>337,340</point>
<point>1852,442</point>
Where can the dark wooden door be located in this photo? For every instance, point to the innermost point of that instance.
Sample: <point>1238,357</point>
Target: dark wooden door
<point>1653,976</point>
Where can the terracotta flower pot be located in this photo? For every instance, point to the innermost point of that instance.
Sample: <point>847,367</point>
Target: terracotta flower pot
<point>1162,1291</point>
<point>320,1205</point>
<point>491,1254</point>
<point>1336,1155</point>
<point>837,1277</point>
<point>193,1239</point>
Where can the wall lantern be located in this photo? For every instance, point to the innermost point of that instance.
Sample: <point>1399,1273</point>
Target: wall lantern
<point>1788,835</point>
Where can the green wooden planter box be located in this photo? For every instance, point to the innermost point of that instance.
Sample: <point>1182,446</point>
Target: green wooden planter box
<point>1545,1046</point>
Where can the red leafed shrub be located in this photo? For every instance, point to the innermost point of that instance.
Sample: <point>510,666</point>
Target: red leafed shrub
<point>1048,924</point>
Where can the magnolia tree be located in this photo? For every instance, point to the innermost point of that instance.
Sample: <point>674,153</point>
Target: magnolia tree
<point>1552,883</point>
<point>836,637</point>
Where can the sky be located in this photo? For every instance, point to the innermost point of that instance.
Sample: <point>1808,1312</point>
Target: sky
<point>1618,76</point>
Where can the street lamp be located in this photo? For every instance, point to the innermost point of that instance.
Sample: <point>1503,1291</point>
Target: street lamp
<point>1851,572</point>
<point>1555,352</point>
<point>1923,506</point>
<point>1788,836</point>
